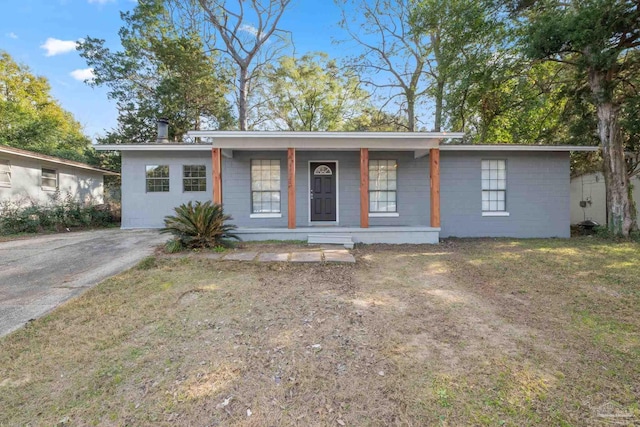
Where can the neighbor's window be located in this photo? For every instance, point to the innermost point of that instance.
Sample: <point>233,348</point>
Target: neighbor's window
<point>494,185</point>
<point>383,185</point>
<point>49,179</point>
<point>194,178</point>
<point>5,173</point>
<point>265,186</point>
<point>157,178</point>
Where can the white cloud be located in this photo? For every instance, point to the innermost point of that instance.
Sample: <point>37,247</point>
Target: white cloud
<point>57,47</point>
<point>83,74</point>
<point>101,1</point>
<point>12,35</point>
<point>249,29</point>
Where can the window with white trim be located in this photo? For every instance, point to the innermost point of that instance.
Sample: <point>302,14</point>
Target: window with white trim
<point>265,186</point>
<point>383,185</point>
<point>5,173</point>
<point>194,178</point>
<point>49,179</point>
<point>494,185</point>
<point>157,178</point>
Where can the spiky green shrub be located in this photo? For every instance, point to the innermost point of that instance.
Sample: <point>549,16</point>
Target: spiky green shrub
<point>202,225</point>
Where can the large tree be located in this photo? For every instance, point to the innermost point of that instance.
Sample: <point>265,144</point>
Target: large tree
<point>247,33</point>
<point>600,38</point>
<point>163,70</point>
<point>311,93</point>
<point>30,118</point>
<point>393,57</point>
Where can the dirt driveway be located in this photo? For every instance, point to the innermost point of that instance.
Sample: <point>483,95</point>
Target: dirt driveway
<point>38,274</point>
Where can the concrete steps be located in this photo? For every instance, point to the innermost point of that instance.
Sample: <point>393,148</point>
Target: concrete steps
<point>330,239</point>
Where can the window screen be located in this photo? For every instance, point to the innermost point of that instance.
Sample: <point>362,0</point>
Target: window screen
<point>494,185</point>
<point>265,186</point>
<point>157,178</point>
<point>383,184</point>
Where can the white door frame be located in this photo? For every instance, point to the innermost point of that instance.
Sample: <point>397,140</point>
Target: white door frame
<point>309,172</point>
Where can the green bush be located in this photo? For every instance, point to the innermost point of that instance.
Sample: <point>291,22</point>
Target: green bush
<point>202,225</point>
<point>60,215</point>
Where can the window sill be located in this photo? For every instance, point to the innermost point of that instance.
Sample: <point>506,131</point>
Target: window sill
<point>265,215</point>
<point>383,214</point>
<point>48,188</point>
<point>495,213</point>
<point>4,185</point>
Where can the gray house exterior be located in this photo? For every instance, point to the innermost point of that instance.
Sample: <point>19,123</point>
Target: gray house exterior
<point>33,178</point>
<point>372,187</point>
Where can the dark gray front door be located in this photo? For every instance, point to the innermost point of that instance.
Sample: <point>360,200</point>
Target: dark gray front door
<point>323,191</point>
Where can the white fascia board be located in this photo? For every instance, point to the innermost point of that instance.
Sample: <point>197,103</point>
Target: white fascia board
<point>513,147</point>
<point>323,135</point>
<point>153,147</point>
<point>283,144</point>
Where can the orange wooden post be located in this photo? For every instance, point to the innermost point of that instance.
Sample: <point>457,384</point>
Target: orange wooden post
<point>364,188</point>
<point>216,168</point>
<point>434,174</point>
<point>291,174</point>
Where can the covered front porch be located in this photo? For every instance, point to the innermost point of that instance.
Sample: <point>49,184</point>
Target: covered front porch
<point>326,191</point>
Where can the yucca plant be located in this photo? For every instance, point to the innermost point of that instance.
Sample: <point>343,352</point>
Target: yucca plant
<point>198,226</point>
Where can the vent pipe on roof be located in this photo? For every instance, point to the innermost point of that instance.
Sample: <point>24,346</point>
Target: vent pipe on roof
<point>163,131</point>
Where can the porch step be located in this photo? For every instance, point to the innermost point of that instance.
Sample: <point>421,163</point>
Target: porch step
<point>330,239</point>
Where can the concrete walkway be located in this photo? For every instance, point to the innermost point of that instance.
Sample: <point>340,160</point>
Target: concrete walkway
<point>313,255</point>
<point>39,273</point>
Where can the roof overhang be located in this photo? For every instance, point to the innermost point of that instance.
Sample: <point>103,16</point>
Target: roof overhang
<point>303,141</point>
<point>16,152</point>
<point>324,140</point>
<point>515,147</point>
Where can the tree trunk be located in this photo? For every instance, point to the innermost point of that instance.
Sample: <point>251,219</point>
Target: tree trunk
<point>615,173</point>
<point>437,122</point>
<point>242,97</point>
<point>411,111</point>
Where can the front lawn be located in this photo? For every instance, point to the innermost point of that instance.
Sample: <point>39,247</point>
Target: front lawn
<point>468,332</point>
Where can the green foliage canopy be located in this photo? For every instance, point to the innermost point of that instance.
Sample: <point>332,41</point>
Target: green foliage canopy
<point>31,119</point>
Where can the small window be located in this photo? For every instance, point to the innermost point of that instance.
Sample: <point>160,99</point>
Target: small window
<point>383,185</point>
<point>157,178</point>
<point>494,185</point>
<point>5,173</point>
<point>265,186</point>
<point>49,179</point>
<point>194,178</point>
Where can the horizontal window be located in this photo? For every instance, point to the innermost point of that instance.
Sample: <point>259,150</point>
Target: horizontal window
<point>265,186</point>
<point>194,178</point>
<point>494,186</point>
<point>49,178</point>
<point>5,173</point>
<point>157,178</point>
<point>383,186</point>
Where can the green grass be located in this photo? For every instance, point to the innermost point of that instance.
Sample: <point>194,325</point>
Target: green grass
<point>493,332</point>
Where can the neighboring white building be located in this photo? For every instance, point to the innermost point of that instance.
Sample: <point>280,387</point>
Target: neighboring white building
<point>589,200</point>
<point>27,177</point>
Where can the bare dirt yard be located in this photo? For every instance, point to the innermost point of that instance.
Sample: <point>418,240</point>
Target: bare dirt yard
<point>468,332</point>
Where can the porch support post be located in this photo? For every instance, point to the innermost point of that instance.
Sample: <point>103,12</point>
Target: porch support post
<point>434,175</point>
<point>291,175</point>
<point>216,169</point>
<point>364,188</point>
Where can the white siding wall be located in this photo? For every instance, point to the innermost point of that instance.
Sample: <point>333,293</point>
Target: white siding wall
<point>83,185</point>
<point>591,189</point>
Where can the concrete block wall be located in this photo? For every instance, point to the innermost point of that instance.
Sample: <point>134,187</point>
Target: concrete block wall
<point>537,195</point>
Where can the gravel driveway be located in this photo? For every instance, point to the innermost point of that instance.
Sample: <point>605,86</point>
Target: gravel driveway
<point>38,274</point>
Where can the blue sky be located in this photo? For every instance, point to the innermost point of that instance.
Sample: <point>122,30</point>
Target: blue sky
<point>41,34</point>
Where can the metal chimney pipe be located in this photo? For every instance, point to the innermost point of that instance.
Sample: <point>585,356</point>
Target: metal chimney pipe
<point>163,131</point>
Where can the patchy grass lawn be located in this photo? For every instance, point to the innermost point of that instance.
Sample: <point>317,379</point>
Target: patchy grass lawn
<point>479,332</point>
